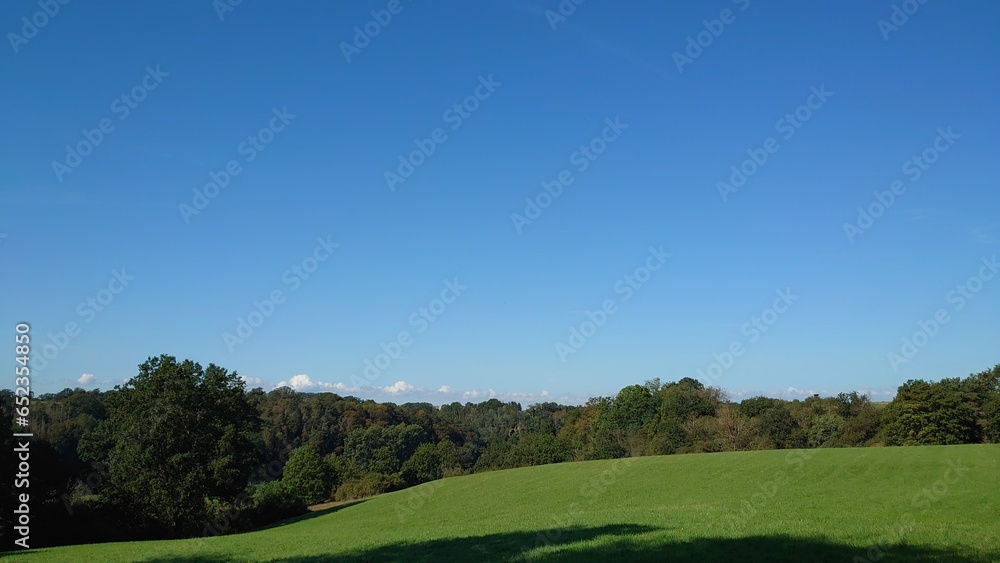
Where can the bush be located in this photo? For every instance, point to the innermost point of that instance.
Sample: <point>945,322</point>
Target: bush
<point>368,486</point>
<point>308,476</point>
<point>274,501</point>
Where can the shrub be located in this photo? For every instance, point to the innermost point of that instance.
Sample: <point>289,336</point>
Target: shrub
<point>370,485</point>
<point>275,501</point>
<point>308,476</point>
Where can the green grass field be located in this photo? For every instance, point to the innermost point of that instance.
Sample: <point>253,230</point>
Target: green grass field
<point>911,504</point>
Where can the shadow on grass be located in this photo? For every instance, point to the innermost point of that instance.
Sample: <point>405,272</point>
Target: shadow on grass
<point>609,544</point>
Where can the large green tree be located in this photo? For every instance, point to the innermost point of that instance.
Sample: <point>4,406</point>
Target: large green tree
<point>925,413</point>
<point>176,436</point>
<point>632,408</point>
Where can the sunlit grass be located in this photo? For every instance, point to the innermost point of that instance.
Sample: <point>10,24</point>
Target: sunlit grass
<point>919,503</point>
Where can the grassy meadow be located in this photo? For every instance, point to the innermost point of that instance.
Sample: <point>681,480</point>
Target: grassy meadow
<point>929,503</point>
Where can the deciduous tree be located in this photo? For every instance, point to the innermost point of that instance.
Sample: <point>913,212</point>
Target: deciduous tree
<point>176,436</point>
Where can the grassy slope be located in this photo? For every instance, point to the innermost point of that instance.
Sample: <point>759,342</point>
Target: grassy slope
<point>813,505</point>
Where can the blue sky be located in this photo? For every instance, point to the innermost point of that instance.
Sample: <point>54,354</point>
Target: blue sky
<point>467,292</point>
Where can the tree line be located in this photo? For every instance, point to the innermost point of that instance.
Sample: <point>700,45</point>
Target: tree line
<point>181,450</point>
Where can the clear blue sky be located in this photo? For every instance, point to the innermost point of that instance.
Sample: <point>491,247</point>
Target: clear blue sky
<point>197,86</point>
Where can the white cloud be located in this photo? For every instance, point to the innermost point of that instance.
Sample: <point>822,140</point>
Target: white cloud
<point>299,382</point>
<point>302,382</point>
<point>85,378</point>
<point>442,395</point>
<point>252,382</point>
<point>792,393</point>
<point>399,387</point>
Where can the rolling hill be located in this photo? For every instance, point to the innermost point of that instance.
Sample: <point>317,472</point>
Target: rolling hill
<point>865,504</point>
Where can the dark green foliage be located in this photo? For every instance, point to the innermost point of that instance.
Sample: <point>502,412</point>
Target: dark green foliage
<point>756,406</point>
<point>667,436</point>
<point>8,467</point>
<point>424,465</point>
<point>308,476</point>
<point>991,419</point>
<point>538,449</point>
<point>862,421</point>
<point>983,390</point>
<point>451,458</point>
<point>774,422</point>
<point>497,455</point>
<point>383,449</point>
<point>176,435</point>
<point>778,425</point>
<point>526,450</point>
<point>273,501</point>
<point>633,408</point>
<point>605,439</point>
<point>173,448</point>
<point>543,418</point>
<point>370,485</point>
<point>825,429</point>
<point>925,413</point>
<point>687,398</point>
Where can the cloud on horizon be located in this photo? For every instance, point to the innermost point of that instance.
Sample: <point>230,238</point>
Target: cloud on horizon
<point>405,392</point>
<point>402,389</point>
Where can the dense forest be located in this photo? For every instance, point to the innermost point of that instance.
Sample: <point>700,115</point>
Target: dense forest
<point>181,450</point>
